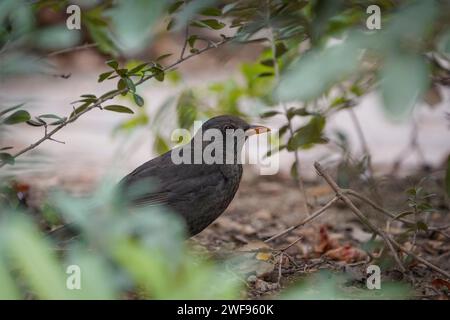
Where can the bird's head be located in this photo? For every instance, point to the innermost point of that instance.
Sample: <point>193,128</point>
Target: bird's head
<point>227,124</point>
<point>223,137</point>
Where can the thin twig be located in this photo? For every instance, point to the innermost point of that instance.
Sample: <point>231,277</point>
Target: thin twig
<point>390,242</point>
<point>186,36</point>
<point>389,214</point>
<point>366,151</point>
<point>291,244</point>
<point>280,264</point>
<point>108,97</point>
<point>77,48</point>
<point>299,179</point>
<point>305,221</point>
<point>357,212</point>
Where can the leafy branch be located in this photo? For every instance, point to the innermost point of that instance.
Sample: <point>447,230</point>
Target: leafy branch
<point>94,102</point>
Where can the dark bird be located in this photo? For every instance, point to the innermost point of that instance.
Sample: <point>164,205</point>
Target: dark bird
<point>198,191</point>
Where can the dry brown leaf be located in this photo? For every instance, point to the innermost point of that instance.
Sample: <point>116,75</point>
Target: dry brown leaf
<point>440,283</point>
<point>325,243</point>
<point>346,253</point>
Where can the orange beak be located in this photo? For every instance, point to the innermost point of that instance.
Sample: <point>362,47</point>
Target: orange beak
<point>256,129</point>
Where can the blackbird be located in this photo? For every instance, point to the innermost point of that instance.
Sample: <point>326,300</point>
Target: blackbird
<point>198,191</point>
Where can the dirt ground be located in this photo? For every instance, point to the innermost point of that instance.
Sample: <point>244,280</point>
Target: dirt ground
<point>336,241</point>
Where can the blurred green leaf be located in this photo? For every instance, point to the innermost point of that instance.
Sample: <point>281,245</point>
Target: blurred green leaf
<point>208,23</point>
<point>113,64</point>
<point>5,111</point>
<point>7,158</point>
<point>32,256</point>
<point>332,286</point>
<point>118,108</point>
<point>102,77</point>
<point>307,135</point>
<point>160,145</point>
<point>211,12</point>
<point>132,22</point>
<point>317,71</point>
<point>186,109</point>
<point>17,117</point>
<point>404,78</point>
<point>138,99</point>
<point>56,38</point>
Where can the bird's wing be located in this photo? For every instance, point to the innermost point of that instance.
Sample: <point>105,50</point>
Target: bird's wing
<point>159,181</point>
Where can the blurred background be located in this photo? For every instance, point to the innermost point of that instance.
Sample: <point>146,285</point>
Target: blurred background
<point>361,86</point>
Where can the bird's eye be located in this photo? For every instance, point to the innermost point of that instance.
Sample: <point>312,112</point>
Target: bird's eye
<point>227,127</point>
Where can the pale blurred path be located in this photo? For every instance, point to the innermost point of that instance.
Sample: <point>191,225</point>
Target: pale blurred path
<point>90,146</point>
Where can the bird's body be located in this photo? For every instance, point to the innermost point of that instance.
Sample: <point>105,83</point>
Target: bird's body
<point>200,193</point>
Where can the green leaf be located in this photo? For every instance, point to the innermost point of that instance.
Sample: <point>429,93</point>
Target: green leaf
<point>164,56</point>
<point>100,35</point>
<point>404,78</point>
<point>265,74</point>
<point>55,37</point>
<point>191,40</point>
<point>79,109</point>
<point>7,158</point>
<point>8,289</point>
<point>186,109</point>
<point>317,71</point>
<point>50,116</point>
<point>113,64</point>
<point>17,117</point>
<point>139,120</point>
<point>280,49</point>
<point>302,112</point>
<point>102,77</point>
<point>269,114</point>
<point>267,62</point>
<point>130,84</point>
<point>211,12</point>
<point>138,99</point>
<point>10,109</point>
<point>133,22</point>
<point>229,7</point>
<point>174,6</point>
<point>157,73</point>
<point>34,123</point>
<point>108,94</point>
<point>208,23</point>
<point>36,262</point>
<point>118,108</point>
<point>138,68</point>
<point>160,145</point>
<point>121,84</point>
<point>308,135</point>
<point>91,96</point>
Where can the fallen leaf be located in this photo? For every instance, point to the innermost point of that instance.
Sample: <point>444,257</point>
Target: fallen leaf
<point>346,253</point>
<point>325,243</point>
<point>440,283</point>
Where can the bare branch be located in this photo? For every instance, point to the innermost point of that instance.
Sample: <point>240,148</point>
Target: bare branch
<point>390,242</point>
<point>308,219</point>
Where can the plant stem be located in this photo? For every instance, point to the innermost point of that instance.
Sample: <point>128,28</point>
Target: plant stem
<point>298,179</point>
<point>99,101</point>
